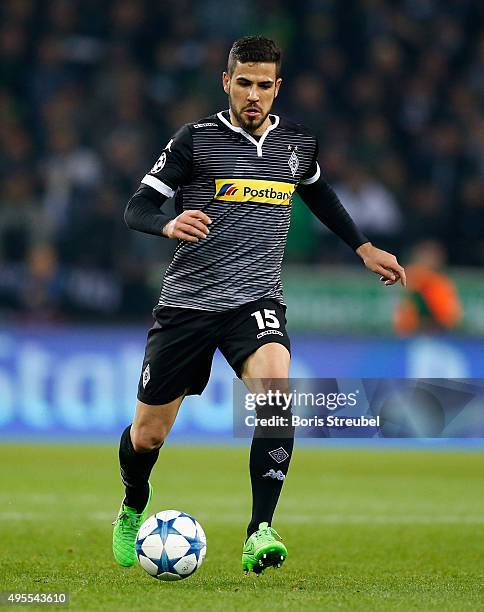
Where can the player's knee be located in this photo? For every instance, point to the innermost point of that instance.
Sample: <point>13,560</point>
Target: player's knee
<point>145,440</point>
<point>276,378</point>
<point>269,362</point>
<point>277,382</point>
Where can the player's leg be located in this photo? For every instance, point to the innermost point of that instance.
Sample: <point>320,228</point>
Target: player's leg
<point>177,362</point>
<point>254,341</point>
<point>271,450</point>
<point>139,448</point>
<point>138,452</point>
<point>270,454</point>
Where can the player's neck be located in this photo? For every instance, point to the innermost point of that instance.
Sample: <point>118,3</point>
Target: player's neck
<point>258,132</point>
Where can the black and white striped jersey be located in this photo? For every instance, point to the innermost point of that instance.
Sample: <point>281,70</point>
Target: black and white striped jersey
<point>245,186</point>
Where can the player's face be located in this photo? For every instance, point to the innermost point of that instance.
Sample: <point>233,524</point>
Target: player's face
<point>252,89</point>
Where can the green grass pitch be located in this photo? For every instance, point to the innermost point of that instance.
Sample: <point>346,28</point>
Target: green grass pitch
<point>365,529</point>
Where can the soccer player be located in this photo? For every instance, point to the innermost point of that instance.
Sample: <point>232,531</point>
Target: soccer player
<point>233,175</point>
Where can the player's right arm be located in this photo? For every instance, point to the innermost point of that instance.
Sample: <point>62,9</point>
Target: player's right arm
<point>173,169</point>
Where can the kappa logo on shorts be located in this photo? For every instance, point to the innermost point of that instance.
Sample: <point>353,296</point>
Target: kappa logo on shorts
<point>146,376</point>
<point>269,331</point>
<point>279,454</point>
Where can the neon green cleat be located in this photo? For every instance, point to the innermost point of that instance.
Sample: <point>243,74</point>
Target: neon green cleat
<point>263,549</point>
<point>126,526</point>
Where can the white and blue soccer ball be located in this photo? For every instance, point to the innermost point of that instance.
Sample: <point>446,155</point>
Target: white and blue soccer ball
<point>171,545</point>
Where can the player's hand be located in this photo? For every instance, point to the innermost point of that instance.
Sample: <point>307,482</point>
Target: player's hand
<point>190,226</point>
<point>382,263</point>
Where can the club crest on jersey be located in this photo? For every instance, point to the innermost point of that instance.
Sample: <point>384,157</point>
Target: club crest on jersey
<point>293,161</point>
<point>253,190</point>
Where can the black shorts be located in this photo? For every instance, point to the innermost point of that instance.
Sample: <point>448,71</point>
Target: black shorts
<point>182,342</point>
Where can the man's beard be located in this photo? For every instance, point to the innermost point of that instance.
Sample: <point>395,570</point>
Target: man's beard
<point>249,124</point>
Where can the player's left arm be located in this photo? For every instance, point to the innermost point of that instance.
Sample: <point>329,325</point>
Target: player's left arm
<point>323,202</point>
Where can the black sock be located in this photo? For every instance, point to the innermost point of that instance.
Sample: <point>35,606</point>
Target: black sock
<point>270,455</point>
<point>135,471</point>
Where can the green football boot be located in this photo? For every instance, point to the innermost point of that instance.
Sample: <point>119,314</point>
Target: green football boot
<point>126,526</point>
<point>263,549</point>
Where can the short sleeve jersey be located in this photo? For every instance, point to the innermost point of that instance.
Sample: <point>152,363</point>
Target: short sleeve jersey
<point>245,185</point>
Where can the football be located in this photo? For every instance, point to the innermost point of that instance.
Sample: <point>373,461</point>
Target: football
<point>171,545</point>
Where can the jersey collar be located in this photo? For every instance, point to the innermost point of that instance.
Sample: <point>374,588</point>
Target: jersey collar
<point>250,138</point>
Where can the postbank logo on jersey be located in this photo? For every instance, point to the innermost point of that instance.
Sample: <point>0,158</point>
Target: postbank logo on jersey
<point>253,190</point>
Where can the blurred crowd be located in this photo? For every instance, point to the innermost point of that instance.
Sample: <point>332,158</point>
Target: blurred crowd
<point>91,91</point>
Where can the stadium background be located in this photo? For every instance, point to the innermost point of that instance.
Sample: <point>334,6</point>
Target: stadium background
<point>91,92</point>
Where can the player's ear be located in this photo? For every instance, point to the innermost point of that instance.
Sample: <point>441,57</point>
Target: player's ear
<point>226,82</point>
<point>277,86</point>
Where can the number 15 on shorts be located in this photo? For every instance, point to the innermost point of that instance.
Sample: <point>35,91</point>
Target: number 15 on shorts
<point>268,319</point>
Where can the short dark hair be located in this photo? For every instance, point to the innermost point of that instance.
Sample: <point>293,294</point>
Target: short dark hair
<point>254,49</point>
